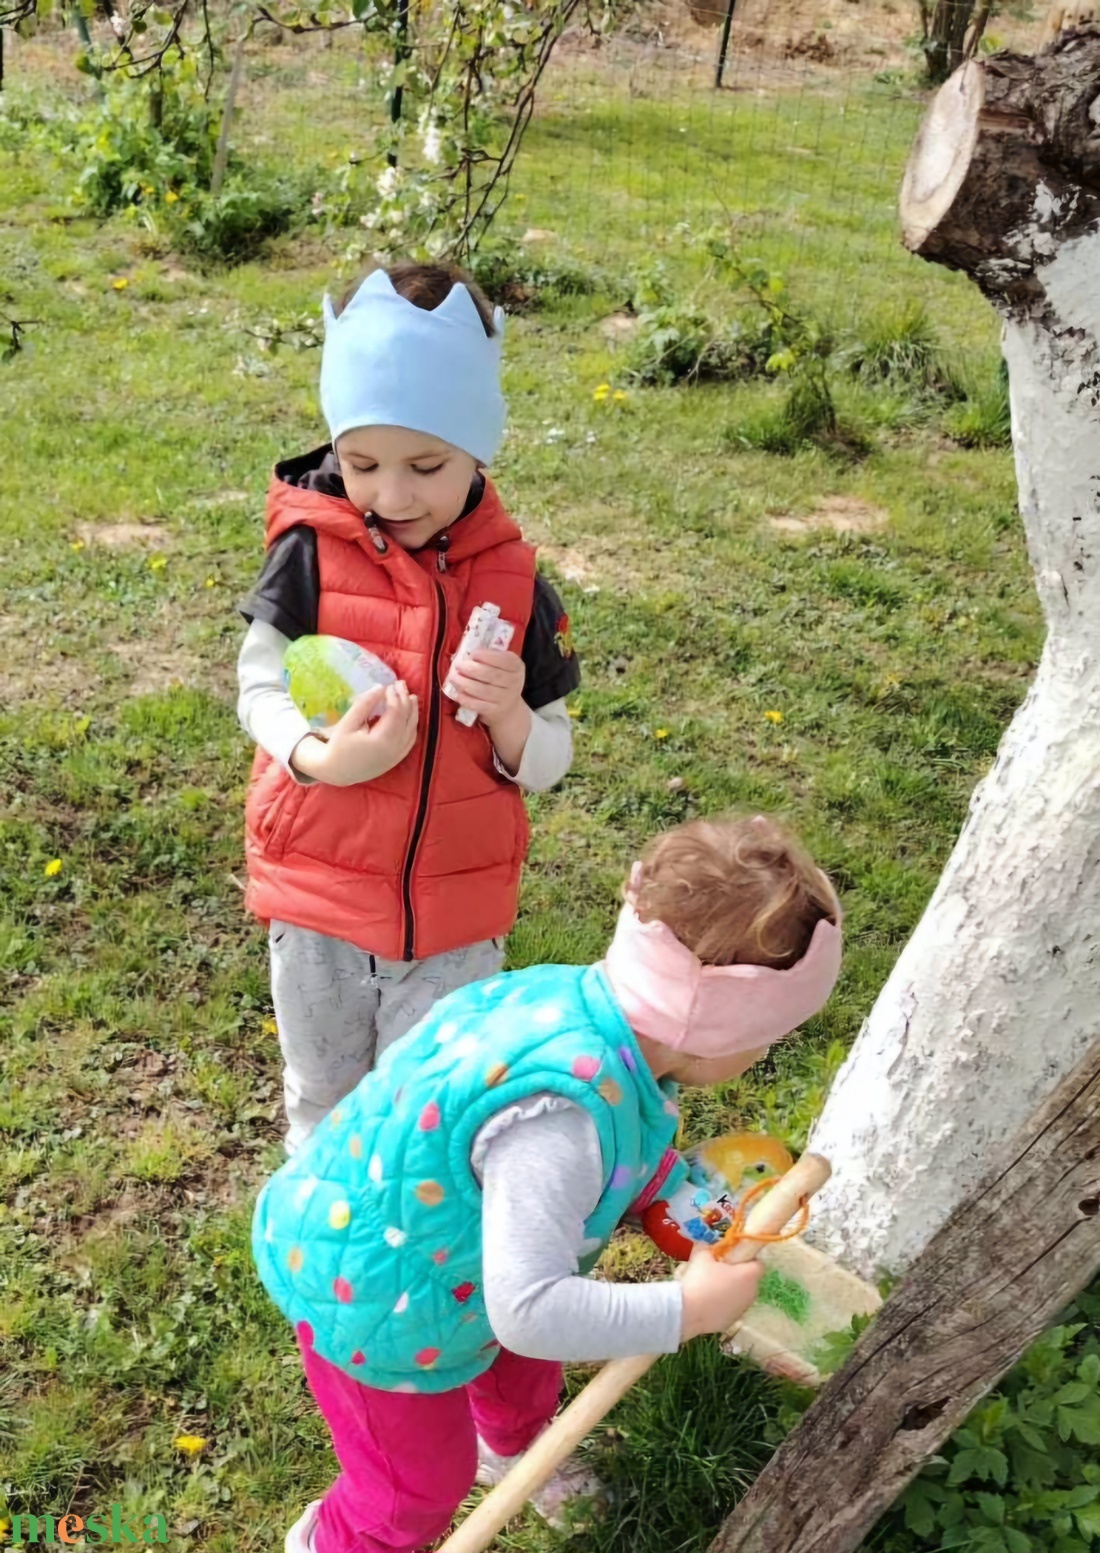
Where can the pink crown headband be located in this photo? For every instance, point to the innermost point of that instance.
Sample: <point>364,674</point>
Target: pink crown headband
<point>667,994</point>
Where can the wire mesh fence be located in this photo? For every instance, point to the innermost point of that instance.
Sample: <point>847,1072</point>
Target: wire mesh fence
<point>797,154</point>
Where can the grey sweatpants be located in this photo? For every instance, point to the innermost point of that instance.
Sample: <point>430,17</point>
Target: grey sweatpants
<point>338,1008</point>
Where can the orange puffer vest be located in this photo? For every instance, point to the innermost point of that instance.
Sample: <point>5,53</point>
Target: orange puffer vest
<point>427,857</point>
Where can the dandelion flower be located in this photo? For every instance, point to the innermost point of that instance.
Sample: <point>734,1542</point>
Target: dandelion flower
<point>121,283</point>
<point>157,563</point>
<point>52,868</point>
<point>620,396</point>
<point>171,197</point>
<point>191,1444</point>
<point>660,733</point>
<point>601,393</point>
<point>77,544</point>
<point>269,1027</point>
<point>211,582</point>
<point>774,717</point>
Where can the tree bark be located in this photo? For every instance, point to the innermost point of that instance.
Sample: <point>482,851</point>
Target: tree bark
<point>989,1283</point>
<point>994,997</point>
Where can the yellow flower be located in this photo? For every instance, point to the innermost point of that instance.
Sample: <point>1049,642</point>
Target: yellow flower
<point>192,1444</point>
<point>121,283</point>
<point>157,563</point>
<point>171,197</point>
<point>620,396</point>
<point>77,544</point>
<point>269,1027</point>
<point>52,868</point>
<point>774,717</point>
<point>660,733</point>
<point>601,393</point>
<point>211,582</point>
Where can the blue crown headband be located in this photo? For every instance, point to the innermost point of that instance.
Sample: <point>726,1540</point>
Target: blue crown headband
<point>387,362</point>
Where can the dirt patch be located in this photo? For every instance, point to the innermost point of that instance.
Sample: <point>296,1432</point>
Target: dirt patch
<point>33,669</point>
<point>569,561</point>
<point>156,672</point>
<point>840,514</point>
<point>619,327</point>
<point>125,536</point>
<point>129,1203</point>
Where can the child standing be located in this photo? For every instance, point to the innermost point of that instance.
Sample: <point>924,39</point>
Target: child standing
<point>426,1243</point>
<point>386,856</point>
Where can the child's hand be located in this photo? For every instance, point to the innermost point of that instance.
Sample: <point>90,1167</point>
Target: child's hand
<point>490,683</point>
<point>359,751</point>
<point>716,1294</point>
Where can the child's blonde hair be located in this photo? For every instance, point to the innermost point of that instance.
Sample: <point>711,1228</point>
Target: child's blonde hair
<point>735,891</point>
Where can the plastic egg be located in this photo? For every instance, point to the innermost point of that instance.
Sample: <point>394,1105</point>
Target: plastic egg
<point>325,674</point>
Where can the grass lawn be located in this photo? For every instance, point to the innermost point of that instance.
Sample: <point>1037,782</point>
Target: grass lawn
<point>709,585</point>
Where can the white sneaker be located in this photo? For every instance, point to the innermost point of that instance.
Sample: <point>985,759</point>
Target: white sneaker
<point>299,1539</point>
<point>572,1484</point>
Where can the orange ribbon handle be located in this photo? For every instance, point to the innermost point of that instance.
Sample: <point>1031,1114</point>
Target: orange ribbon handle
<point>736,1232</point>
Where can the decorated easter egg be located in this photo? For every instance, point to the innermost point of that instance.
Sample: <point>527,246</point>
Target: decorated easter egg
<point>325,674</point>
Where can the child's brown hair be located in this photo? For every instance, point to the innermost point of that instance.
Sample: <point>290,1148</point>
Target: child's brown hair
<point>735,891</point>
<point>426,286</point>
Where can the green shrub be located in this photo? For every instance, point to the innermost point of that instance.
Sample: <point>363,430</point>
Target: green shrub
<point>1023,1474</point>
<point>146,149</point>
<point>143,141</point>
<point>21,119</point>
<point>679,342</point>
<point>235,225</point>
<point>519,279</point>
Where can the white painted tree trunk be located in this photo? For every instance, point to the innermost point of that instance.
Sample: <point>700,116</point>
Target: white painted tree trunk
<point>997,994</point>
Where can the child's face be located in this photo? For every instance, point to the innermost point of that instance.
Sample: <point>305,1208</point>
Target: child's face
<point>415,485</point>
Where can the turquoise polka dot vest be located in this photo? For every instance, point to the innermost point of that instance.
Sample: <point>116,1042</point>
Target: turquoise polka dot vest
<point>369,1238</point>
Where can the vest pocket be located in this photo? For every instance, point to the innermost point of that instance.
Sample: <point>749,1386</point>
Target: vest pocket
<point>278,821</point>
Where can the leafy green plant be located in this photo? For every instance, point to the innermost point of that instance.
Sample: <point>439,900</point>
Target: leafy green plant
<point>147,148</point>
<point>143,142</point>
<point>234,225</point>
<point>517,278</point>
<point>678,341</point>
<point>1023,1474</point>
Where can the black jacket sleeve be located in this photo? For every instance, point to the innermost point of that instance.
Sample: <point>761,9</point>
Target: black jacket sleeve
<point>287,593</point>
<point>548,652</point>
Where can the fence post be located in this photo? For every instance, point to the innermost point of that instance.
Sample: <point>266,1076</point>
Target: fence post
<point>400,55</point>
<point>221,155</point>
<point>724,43</point>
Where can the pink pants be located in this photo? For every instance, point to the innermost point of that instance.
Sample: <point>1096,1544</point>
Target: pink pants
<point>409,1460</point>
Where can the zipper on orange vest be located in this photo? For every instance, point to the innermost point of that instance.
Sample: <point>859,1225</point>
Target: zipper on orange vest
<point>426,776</point>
